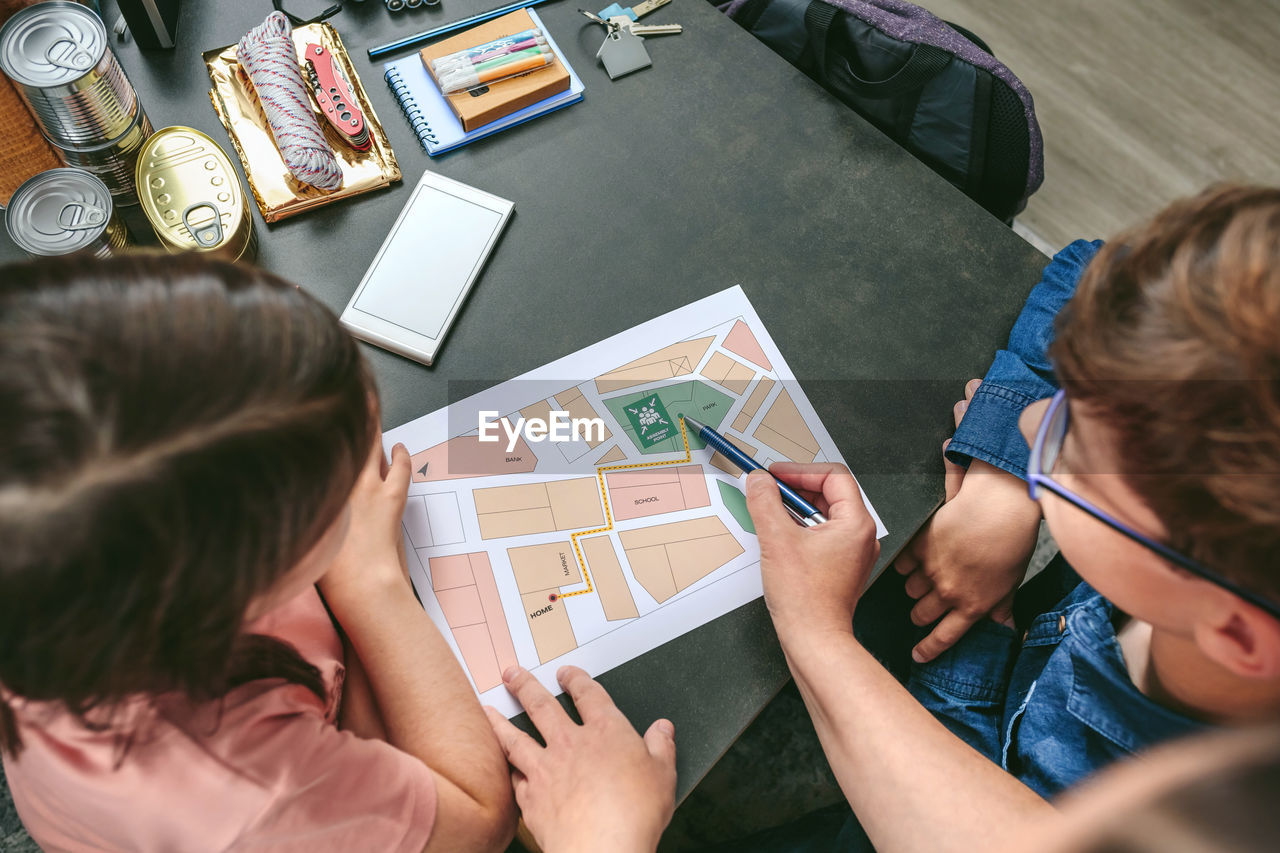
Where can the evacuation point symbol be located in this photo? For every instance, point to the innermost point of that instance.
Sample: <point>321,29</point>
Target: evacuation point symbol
<point>648,416</point>
<point>650,420</point>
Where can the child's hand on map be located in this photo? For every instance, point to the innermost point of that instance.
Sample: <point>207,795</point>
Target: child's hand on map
<point>968,559</point>
<point>813,576</point>
<point>371,551</point>
<point>595,786</point>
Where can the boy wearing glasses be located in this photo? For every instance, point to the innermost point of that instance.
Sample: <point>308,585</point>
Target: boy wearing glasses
<point>1154,418</point>
<point>1154,426</point>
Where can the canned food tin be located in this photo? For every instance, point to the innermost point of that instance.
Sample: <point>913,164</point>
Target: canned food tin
<point>114,163</point>
<point>63,211</point>
<point>57,53</point>
<point>192,197</point>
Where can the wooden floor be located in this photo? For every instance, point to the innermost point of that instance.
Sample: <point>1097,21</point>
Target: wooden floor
<point>1140,101</point>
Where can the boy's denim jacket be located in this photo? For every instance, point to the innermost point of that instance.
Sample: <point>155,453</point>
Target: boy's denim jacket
<point>1021,373</point>
<point>1057,703</point>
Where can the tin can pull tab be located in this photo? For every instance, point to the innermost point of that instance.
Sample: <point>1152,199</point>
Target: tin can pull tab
<point>68,53</point>
<point>78,216</point>
<point>206,234</point>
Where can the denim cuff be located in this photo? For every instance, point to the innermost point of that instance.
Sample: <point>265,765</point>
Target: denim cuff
<point>989,430</point>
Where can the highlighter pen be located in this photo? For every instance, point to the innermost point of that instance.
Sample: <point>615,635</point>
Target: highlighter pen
<point>446,74</point>
<point>468,58</point>
<point>495,44</point>
<point>462,80</point>
<point>458,61</point>
<point>801,510</point>
<point>457,79</point>
<point>500,61</point>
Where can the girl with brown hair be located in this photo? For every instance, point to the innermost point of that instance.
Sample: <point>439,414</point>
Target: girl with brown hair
<point>188,448</point>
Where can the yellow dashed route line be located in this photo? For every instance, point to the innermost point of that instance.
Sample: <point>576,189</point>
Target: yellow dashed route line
<point>608,514</point>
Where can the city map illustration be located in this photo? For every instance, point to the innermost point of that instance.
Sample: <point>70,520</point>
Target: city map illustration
<point>595,546</point>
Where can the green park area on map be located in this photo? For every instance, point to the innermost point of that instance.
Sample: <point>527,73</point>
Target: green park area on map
<point>694,398</point>
<point>736,502</point>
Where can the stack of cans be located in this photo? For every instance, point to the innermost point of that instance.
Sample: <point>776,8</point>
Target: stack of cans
<point>57,55</point>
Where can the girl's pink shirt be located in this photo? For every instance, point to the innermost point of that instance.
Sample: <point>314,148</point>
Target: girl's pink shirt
<point>264,769</point>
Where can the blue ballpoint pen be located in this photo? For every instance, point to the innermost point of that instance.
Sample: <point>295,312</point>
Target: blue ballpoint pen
<point>801,510</point>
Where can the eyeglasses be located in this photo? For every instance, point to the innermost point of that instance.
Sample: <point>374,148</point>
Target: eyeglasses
<point>1044,456</point>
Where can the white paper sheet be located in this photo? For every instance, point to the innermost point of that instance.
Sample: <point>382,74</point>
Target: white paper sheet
<point>592,552</point>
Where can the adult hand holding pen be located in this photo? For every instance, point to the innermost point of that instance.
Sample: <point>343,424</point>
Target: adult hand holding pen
<point>813,576</point>
<point>913,785</point>
<point>595,786</point>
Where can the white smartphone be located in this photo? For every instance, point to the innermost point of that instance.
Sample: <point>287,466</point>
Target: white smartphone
<point>419,279</point>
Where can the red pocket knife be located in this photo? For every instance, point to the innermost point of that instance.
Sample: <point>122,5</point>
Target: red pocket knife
<point>336,99</point>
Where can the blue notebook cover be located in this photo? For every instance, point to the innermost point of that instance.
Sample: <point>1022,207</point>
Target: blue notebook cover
<point>437,128</point>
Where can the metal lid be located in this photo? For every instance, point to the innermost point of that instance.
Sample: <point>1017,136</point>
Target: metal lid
<point>58,211</point>
<point>51,43</point>
<point>188,189</point>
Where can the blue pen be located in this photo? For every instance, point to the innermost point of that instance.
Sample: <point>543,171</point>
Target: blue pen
<point>801,510</point>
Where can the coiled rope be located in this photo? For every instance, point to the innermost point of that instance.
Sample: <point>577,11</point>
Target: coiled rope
<point>268,55</point>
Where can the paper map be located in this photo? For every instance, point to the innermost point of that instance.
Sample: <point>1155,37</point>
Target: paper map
<point>597,547</point>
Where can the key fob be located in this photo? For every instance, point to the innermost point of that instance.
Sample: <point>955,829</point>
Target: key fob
<point>622,53</point>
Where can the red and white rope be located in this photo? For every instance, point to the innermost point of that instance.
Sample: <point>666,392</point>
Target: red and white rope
<point>268,55</point>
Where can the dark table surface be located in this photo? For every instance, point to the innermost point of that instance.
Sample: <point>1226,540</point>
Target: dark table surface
<point>883,286</point>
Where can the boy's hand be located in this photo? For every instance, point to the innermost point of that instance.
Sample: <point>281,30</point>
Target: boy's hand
<point>597,786</point>
<point>813,576</point>
<point>372,550</point>
<point>969,558</point>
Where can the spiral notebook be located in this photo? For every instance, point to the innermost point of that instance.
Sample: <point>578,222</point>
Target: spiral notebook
<point>434,123</point>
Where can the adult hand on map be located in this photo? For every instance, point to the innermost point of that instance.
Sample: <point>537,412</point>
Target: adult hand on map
<point>968,559</point>
<point>371,551</point>
<point>813,576</point>
<point>595,786</point>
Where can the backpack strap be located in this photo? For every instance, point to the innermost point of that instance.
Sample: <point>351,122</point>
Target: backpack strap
<point>925,62</point>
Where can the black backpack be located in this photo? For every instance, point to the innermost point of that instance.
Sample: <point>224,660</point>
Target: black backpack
<point>933,87</point>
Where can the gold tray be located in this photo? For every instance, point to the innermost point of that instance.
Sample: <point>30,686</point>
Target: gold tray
<point>278,193</point>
